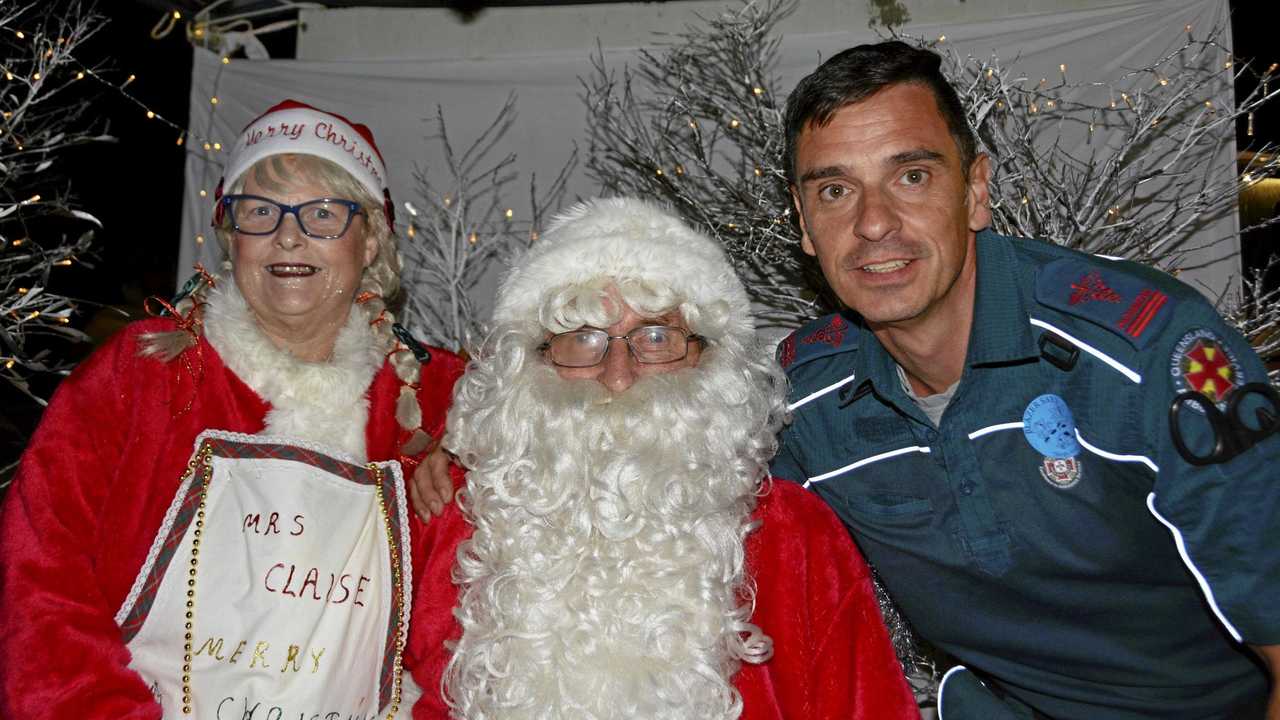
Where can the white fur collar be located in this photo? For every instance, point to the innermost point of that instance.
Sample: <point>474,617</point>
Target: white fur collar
<point>323,402</point>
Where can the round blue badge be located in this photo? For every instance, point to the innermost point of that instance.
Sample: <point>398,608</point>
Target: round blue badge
<point>1049,427</point>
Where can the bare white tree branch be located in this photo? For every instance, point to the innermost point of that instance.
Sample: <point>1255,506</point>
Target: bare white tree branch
<point>459,230</point>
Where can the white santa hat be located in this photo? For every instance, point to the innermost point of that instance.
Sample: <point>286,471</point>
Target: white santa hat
<point>623,238</point>
<point>292,127</point>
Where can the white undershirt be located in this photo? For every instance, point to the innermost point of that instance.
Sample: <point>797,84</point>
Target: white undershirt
<point>932,405</point>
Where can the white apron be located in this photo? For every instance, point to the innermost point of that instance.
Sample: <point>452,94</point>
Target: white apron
<point>276,587</point>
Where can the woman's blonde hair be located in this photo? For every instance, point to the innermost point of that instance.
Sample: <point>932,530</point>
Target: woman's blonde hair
<point>379,283</point>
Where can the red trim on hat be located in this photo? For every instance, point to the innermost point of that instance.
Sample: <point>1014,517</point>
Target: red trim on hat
<point>217,203</point>
<point>389,208</point>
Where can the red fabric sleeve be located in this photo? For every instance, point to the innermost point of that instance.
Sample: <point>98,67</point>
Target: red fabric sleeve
<point>435,547</point>
<point>832,655</point>
<point>432,622</point>
<point>857,673</point>
<point>62,652</point>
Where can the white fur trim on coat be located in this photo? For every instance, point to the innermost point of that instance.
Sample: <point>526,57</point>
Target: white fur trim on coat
<point>323,402</point>
<point>622,238</point>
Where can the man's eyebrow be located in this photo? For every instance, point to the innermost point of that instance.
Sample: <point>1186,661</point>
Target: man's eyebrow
<point>916,155</point>
<point>907,156</point>
<point>822,173</point>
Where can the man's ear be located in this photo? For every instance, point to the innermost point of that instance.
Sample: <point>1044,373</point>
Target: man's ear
<point>978,195</point>
<point>806,244</point>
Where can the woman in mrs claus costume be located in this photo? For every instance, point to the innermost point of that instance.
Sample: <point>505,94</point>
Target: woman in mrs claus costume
<point>210,521</point>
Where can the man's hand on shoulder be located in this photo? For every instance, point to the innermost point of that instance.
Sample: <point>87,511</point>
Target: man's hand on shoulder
<point>432,486</point>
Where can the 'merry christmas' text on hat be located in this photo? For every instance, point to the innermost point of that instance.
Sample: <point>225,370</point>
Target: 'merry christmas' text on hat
<point>292,127</point>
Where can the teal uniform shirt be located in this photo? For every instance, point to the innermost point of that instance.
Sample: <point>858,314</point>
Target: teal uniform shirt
<point>1047,533</point>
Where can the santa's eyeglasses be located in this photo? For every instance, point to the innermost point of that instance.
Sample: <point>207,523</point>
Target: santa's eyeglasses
<point>649,345</point>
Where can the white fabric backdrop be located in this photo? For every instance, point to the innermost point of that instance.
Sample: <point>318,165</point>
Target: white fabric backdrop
<point>397,99</point>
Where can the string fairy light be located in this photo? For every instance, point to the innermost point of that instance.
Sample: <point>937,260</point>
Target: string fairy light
<point>83,71</point>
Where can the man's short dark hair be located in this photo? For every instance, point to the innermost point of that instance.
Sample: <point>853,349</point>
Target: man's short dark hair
<point>858,73</point>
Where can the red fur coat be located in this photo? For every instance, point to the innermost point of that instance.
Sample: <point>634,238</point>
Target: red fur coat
<point>90,495</point>
<point>832,659</point>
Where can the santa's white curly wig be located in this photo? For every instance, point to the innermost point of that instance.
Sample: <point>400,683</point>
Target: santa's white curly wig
<point>606,577</point>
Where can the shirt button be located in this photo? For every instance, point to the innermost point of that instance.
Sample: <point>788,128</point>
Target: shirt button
<point>966,488</point>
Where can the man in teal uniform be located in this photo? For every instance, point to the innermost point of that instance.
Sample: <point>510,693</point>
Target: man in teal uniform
<point>992,420</point>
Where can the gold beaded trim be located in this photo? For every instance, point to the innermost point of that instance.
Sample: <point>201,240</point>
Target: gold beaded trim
<point>397,589</point>
<point>204,457</point>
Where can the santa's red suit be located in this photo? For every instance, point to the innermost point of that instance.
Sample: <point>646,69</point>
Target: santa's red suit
<point>94,487</point>
<point>832,658</point>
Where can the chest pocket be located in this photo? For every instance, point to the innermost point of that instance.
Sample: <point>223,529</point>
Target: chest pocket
<point>880,487</point>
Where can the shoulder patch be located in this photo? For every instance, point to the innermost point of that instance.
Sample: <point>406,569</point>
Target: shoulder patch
<point>824,336</point>
<point>1126,304</point>
<point>1202,362</point>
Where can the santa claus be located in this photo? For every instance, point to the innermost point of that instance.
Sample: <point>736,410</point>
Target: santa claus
<point>618,548</point>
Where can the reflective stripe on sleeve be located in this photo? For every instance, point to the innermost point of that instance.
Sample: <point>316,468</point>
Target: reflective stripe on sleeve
<point>943,684</point>
<point>1195,572</point>
<point>815,395</point>
<point>1115,456</point>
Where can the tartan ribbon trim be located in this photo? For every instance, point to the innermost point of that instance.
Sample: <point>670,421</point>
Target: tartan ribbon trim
<point>147,597</point>
<point>239,450</point>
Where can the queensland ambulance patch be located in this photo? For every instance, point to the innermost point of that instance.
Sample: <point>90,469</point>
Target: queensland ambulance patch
<point>1201,362</point>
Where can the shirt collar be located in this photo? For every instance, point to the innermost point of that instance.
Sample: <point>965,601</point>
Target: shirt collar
<point>1000,329</point>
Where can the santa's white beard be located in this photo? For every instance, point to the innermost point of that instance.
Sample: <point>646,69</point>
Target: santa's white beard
<point>605,577</point>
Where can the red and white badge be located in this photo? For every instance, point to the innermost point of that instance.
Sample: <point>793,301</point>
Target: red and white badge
<point>1202,363</point>
<point>1061,472</point>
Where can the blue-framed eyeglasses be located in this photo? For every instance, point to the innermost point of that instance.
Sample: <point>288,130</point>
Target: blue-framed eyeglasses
<point>323,218</point>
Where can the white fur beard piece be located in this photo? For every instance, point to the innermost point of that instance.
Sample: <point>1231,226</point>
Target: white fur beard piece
<point>322,402</point>
<point>605,577</point>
